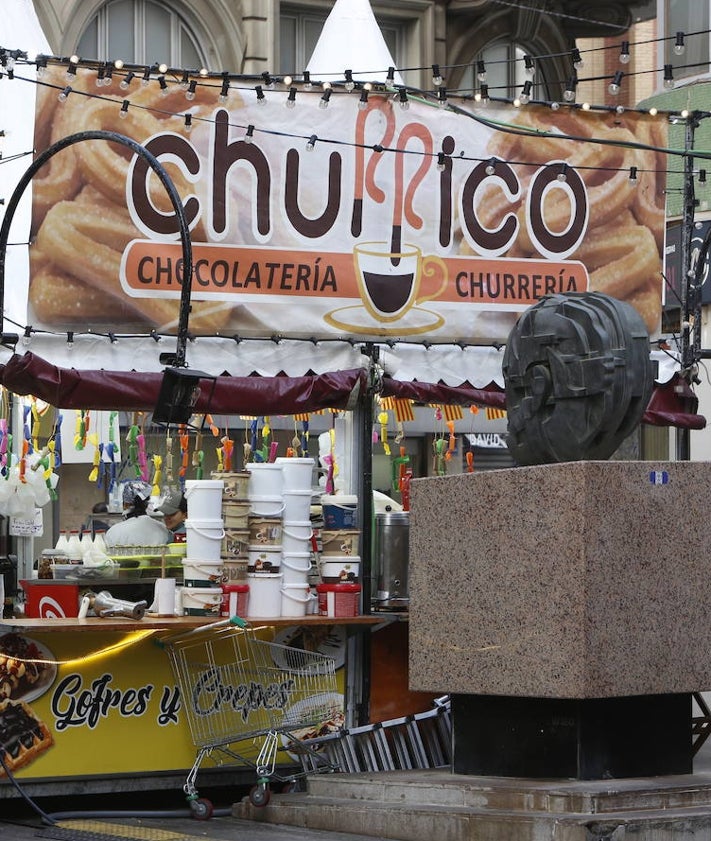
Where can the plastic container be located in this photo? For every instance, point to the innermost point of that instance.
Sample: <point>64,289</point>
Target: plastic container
<point>204,540</point>
<point>295,567</point>
<point>340,511</point>
<point>341,601</point>
<point>335,570</point>
<point>235,543</point>
<point>264,594</point>
<point>199,574</point>
<point>297,506</point>
<point>264,559</point>
<point>265,479</point>
<point>202,601</point>
<point>45,600</point>
<point>266,506</point>
<point>204,498</point>
<point>297,473</point>
<point>265,531</point>
<point>236,485</point>
<point>234,571</point>
<point>296,537</point>
<point>340,542</point>
<point>235,600</point>
<point>295,599</point>
<point>235,515</point>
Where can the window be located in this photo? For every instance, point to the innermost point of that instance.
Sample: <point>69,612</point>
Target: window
<point>141,32</point>
<point>299,31</point>
<point>685,17</point>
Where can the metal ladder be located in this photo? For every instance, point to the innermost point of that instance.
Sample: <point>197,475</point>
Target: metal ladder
<point>422,740</point>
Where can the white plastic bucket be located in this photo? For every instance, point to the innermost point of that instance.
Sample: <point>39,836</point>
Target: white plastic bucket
<point>204,498</point>
<point>265,531</point>
<point>343,570</point>
<point>298,473</point>
<point>340,542</point>
<point>235,514</point>
<point>295,599</point>
<point>297,505</point>
<point>202,601</point>
<point>199,574</point>
<point>265,479</point>
<point>296,537</point>
<point>340,511</point>
<point>266,506</point>
<point>204,540</point>
<point>236,484</point>
<point>264,559</point>
<point>264,594</point>
<point>295,566</point>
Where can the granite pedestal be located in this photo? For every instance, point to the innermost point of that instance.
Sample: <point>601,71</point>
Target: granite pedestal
<point>566,608</point>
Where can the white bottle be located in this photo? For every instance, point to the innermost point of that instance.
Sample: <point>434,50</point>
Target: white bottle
<point>99,542</point>
<point>73,550</point>
<point>62,542</point>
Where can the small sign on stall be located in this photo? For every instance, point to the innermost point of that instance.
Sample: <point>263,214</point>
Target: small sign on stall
<point>25,527</point>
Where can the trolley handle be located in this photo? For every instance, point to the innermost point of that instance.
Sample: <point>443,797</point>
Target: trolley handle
<point>201,629</point>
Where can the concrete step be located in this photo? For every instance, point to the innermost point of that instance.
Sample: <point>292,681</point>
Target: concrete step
<point>441,787</point>
<point>424,805</point>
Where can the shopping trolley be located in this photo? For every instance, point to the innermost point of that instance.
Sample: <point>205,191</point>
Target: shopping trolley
<point>236,688</point>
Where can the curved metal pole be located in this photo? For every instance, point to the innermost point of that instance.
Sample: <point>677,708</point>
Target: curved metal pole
<point>165,180</point>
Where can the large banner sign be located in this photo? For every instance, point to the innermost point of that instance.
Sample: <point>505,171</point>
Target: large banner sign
<point>373,222</point>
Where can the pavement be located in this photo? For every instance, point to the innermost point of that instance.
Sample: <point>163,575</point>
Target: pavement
<point>161,816</point>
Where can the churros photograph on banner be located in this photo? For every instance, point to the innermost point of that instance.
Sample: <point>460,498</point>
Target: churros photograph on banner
<point>375,222</point>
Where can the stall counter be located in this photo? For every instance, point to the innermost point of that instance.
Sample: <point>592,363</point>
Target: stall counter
<point>103,701</point>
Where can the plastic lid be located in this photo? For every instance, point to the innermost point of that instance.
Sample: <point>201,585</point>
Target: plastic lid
<point>339,499</point>
<point>338,588</point>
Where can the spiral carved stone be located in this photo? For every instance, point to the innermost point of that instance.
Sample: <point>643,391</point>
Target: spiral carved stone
<point>578,378</point>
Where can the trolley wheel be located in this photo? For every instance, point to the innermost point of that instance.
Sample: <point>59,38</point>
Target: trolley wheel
<point>260,795</point>
<point>201,809</point>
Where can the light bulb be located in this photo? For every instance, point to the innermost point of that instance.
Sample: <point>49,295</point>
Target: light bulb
<point>291,99</point>
<point>363,101</point>
<point>668,77</point>
<point>436,76</point>
<point>577,58</point>
<point>162,68</point>
<point>350,84</point>
<point>530,68</point>
<point>325,99</point>
<point>288,81</point>
<point>307,81</point>
<point>190,92</point>
<point>123,113</point>
<point>679,44</point>
<point>625,53</point>
<point>311,143</point>
<point>481,71</point>
<point>249,135</point>
<point>614,86</point>
<point>490,168</point>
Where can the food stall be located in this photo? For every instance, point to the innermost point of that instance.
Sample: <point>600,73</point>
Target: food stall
<point>292,313</point>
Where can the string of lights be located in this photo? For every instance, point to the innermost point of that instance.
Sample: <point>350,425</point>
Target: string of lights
<point>105,70</point>
<point>404,96</point>
<point>28,332</point>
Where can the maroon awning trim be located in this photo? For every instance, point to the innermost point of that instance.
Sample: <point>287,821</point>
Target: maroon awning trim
<point>672,404</point>
<point>131,391</point>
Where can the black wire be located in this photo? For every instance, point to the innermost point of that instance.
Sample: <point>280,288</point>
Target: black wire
<point>45,817</point>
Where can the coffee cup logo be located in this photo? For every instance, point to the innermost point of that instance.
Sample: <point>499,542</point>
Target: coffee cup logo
<point>391,283</point>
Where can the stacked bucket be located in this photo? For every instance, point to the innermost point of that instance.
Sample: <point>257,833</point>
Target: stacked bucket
<point>339,562</point>
<point>204,533</point>
<point>279,524</point>
<point>235,515</point>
